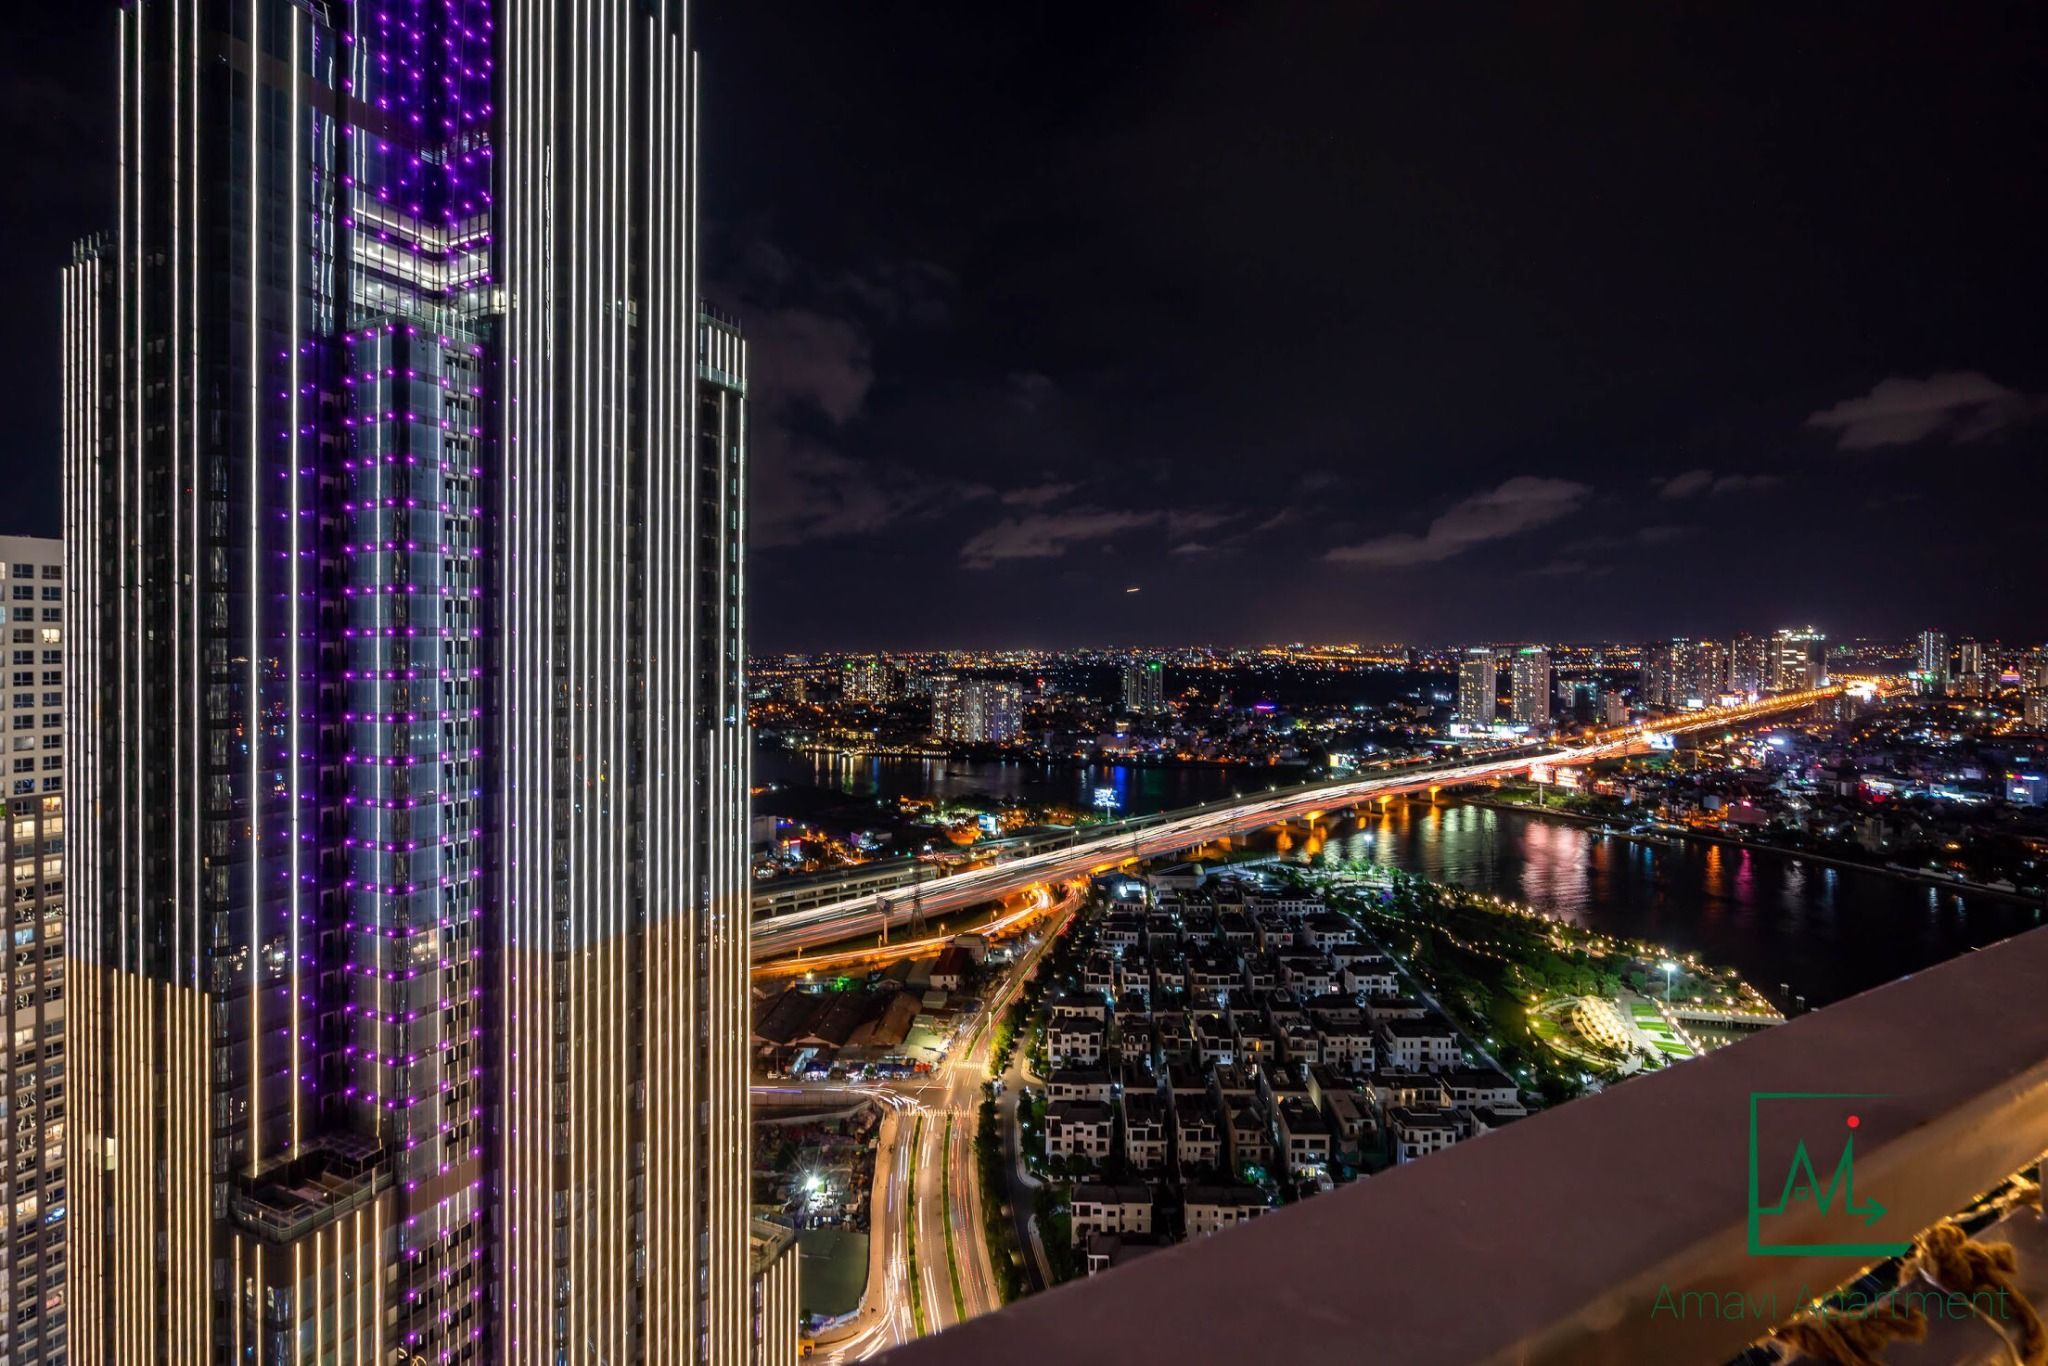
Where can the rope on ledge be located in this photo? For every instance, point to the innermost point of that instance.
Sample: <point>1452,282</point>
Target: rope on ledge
<point>1950,1258</point>
<point>1859,1341</point>
<point>1954,1261</point>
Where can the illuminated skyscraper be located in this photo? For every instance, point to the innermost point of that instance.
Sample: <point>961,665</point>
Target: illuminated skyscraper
<point>32,1185</point>
<point>1934,675</point>
<point>1747,671</point>
<point>977,711</point>
<point>408,817</point>
<point>1660,673</point>
<point>867,681</point>
<point>1530,705</point>
<point>1478,687</point>
<point>1972,675</point>
<point>1799,660</point>
<point>1613,709</point>
<point>1144,687</point>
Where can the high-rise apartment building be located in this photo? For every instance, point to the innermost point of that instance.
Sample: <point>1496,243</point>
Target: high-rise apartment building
<point>1934,662</point>
<point>33,1227</point>
<point>407,813</point>
<point>1144,687</point>
<point>868,681</point>
<point>1748,671</point>
<point>1973,669</point>
<point>1799,660</point>
<point>1530,687</point>
<point>1613,709</point>
<point>1684,673</point>
<point>1478,687</point>
<point>1659,674</point>
<point>977,711</point>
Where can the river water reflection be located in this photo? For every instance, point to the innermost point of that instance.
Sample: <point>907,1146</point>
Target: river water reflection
<point>1829,932</point>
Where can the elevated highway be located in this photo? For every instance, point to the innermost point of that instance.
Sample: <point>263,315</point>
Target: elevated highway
<point>868,913</point>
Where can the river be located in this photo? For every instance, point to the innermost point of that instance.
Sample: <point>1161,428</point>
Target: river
<point>1140,790</point>
<point>1777,919</point>
<point>1824,932</point>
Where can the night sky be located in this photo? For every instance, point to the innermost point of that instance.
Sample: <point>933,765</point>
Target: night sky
<point>1323,321</point>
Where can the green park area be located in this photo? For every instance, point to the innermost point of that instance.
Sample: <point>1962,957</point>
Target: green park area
<point>1508,974</point>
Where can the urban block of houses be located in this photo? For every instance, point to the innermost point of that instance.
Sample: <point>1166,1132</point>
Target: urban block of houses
<point>1424,1045</point>
<point>1197,1136</point>
<point>1145,1130</point>
<point>1417,1132</point>
<point>1098,1207</point>
<point>1075,1041</point>
<point>1301,1135</point>
<point>1211,1209</point>
<point>1080,1083</point>
<point>1079,1128</point>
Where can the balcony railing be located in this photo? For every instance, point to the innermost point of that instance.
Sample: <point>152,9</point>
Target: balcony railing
<point>1617,1229</point>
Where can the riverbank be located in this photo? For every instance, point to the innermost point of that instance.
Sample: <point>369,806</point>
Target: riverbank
<point>1666,837</point>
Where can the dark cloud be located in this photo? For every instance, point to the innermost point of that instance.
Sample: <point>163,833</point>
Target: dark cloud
<point>1521,504</point>
<point>1038,495</point>
<point>1049,535</point>
<point>806,358</point>
<point>1693,483</point>
<point>1958,405</point>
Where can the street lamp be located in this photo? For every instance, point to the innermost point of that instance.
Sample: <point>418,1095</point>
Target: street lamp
<point>1669,968</point>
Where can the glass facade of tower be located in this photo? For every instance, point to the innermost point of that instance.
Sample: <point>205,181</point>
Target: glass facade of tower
<point>404,508</point>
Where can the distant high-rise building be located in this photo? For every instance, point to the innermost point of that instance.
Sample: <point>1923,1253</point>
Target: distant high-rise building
<point>1144,687</point>
<point>868,681</point>
<point>1934,662</point>
<point>1683,673</point>
<point>1974,676</point>
<point>1799,659</point>
<point>1613,709</point>
<point>1659,683</point>
<point>407,815</point>
<point>1478,687</point>
<point>977,711</point>
<point>32,1185</point>
<point>1530,687</point>
<point>1748,664</point>
<point>2034,712</point>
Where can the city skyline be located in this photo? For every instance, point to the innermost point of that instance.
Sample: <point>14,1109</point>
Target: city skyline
<point>731,682</point>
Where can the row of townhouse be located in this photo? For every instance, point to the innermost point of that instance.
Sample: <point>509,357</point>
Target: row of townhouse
<point>1290,1120</point>
<point>1277,1025</point>
<point>1111,1222</point>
